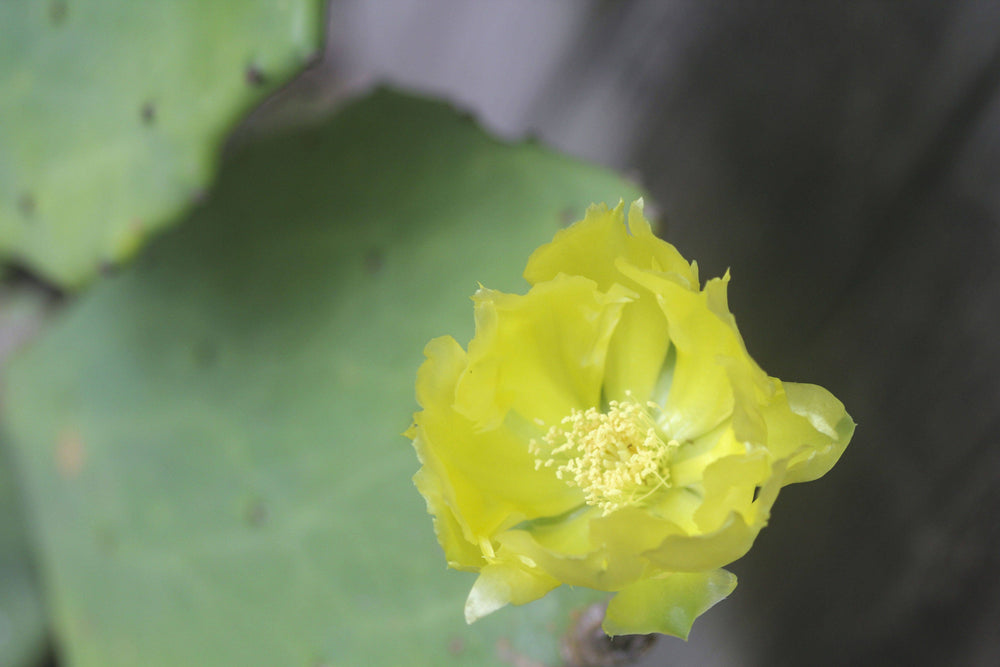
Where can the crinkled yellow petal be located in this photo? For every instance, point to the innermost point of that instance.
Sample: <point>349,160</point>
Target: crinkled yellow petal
<point>688,464</point>
<point>562,552</point>
<point>460,553</point>
<point>632,530</point>
<point>810,426</point>
<point>696,553</point>
<point>435,387</point>
<point>729,485</point>
<point>717,300</point>
<point>464,460</point>
<point>568,534</point>
<point>484,501</point>
<point>708,551</point>
<point>591,247</point>
<point>668,604</point>
<point>436,377</point>
<point>701,395</point>
<point>541,354</point>
<point>637,351</point>
<point>751,386</point>
<point>503,583</point>
<point>751,389</point>
<point>598,551</point>
<point>677,506</point>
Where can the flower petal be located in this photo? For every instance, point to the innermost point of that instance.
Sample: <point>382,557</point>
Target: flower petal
<point>541,354</point>
<point>591,247</point>
<point>668,604</point>
<point>707,551</point>
<point>729,487</point>
<point>460,553</point>
<point>503,583</point>
<point>461,462</point>
<point>445,361</point>
<point>687,466</point>
<point>809,425</point>
<point>701,395</point>
<point>634,530</point>
<point>637,351</point>
<point>696,553</point>
<point>565,551</point>
<point>751,389</point>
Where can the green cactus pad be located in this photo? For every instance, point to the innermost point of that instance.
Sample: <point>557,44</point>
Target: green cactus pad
<point>112,113</point>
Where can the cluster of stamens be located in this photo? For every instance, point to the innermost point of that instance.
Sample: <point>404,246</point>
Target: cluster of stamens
<point>616,458</point>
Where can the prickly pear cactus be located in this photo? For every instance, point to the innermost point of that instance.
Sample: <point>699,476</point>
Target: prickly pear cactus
<point>211,439</point>
<point>112,113</point>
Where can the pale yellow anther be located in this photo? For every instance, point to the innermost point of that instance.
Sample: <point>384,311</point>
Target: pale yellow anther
<point>617,458</point>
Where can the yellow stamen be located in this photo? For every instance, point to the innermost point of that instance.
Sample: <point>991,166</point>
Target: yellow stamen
<point>616,457</point>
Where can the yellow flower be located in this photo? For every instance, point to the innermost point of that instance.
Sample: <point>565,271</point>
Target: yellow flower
<point>608,429</point>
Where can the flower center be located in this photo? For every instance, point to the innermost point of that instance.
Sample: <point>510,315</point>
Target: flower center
<point>616,457</point>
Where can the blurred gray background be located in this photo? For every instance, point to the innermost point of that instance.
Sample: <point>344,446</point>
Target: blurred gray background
<point>843,160</point>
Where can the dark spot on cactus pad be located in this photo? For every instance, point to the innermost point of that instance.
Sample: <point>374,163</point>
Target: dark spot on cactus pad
<point>255,512</point>
<point>26,204</point>
<point>57,12</point>
<point>374,259</point>
<point>148,113</point>
<point>255,76</point>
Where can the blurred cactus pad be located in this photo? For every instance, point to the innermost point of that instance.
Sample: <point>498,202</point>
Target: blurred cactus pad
<point>112,113</point>
<point>210,439</point>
